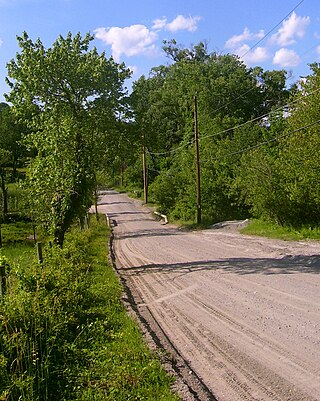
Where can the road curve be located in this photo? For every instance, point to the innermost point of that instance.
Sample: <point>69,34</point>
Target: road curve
<point>242,312</point>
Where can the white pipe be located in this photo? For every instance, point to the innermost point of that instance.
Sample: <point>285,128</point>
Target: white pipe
<point>163,216</point>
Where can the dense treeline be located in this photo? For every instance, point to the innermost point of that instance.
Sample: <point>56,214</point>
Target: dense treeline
<point>259,141</point>
<point>73,121</point>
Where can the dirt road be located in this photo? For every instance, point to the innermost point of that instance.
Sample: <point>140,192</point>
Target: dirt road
<point>240,314</point>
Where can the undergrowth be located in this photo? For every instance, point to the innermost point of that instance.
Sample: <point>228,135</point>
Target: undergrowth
<point>64,333</point>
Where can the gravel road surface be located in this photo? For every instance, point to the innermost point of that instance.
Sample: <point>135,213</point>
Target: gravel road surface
<point>239,314</point>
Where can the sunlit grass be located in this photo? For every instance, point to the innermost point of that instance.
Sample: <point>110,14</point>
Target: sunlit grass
<point>270,230</point>
<point>65,332</point>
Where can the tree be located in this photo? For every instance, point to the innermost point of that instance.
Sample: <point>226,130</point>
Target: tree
<point>11,134</point>
<point>70,92</point>
<point>300,154</point>
<point>5,158</point>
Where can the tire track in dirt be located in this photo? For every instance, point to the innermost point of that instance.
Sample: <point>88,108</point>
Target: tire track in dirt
<point>243,390</point>
<point>239,315</point>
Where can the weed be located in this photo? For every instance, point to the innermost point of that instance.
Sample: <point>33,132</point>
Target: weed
<point>64,333</point>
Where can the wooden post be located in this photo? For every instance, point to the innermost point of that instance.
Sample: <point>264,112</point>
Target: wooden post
<point>145,175</point>
<point>39,252</point>
<point>3,283</point>
<point>34,232</point>
<point>121,174</point>
<point>196,144</point>
<point>96,203</point>
<point>81,223</point>
<point>86,221</point>
<point>108,220</point>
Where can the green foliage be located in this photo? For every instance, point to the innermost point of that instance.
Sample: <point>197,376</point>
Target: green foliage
<point>70,112</point>
<point>268,229</point>
<point>65,333</point>
<point>11,133</point>
<point>228,94</point>
<point>16,232</point>
<point>280,179</point>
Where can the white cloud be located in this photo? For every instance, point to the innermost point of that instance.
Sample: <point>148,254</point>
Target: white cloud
<point>293,27</point>
<point>257,55</point>
<point>253,56</point>
<point>180,23</point>
<point>138,39</point>
<point>238,45</point>
<point>246,35</point>
<point>286,58</point>
<point>159,24</point>
<point>1,42</point>
<point>131,40</point>
<point>183,23</point>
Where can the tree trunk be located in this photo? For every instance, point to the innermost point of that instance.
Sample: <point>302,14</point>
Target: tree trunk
<point>4,195</point>
<point>59,236</point>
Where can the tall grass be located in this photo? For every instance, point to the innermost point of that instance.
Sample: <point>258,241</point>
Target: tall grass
<point>271,230</point>
<point>64,333</point>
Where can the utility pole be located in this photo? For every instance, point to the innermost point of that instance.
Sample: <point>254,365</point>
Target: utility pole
<point>196,144</point>
<point>145,173</point>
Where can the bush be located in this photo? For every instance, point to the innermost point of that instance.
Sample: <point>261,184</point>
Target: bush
<point>39,320</point>
<point>64,332</point>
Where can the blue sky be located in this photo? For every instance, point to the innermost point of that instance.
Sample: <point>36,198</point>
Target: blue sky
<point>132,31</point>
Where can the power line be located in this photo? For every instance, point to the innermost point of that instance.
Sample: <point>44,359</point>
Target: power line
<point>238,97</point>
<point>271,30</point>
<point>262,143</point>
<point>266,115</point>
<point>252,47</point>
<point>258,118</point>
<point>172,150</point>
<point>256,44</point>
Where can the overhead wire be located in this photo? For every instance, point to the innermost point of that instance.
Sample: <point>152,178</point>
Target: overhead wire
<point>252,47</point>
<point>271,30</point>
<point>263,143</point>
<point>266,115</point>
<point>235,99</point>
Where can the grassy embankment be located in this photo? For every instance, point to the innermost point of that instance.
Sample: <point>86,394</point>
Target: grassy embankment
<point>266,229</point>
<point>64,333</point>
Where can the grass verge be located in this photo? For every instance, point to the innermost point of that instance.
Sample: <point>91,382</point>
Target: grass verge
<point>65,334</point>
<point>267,229</point>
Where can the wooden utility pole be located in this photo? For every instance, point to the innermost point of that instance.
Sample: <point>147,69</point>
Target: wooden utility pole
<point>145,174</point>
<point>196,144</point>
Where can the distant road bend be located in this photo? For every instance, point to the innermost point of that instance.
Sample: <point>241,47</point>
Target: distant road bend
<point>242,313</point>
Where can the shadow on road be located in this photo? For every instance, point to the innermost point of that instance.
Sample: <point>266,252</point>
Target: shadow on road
<point>147,233</point>
<point>101,203</point>
<point>287,265</point>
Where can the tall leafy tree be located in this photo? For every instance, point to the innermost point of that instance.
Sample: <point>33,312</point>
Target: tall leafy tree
<point>74,95</point>
<point>229,94</point>
<point>300,153</point>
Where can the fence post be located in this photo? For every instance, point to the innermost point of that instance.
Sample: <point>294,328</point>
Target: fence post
<point>39,252</point>
<point>108,220</point>
<point>3,283</point>
<point>86,221</point>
